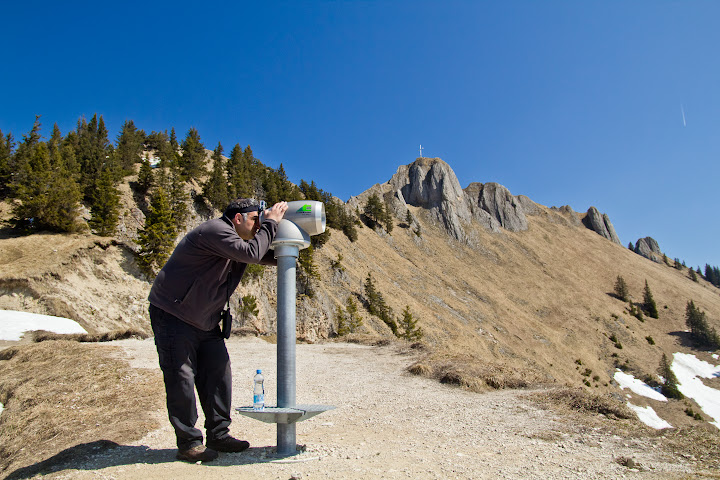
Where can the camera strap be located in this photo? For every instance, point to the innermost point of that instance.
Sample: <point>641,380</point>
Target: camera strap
<point>226,317</point>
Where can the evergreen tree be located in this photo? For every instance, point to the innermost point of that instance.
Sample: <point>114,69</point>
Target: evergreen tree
<point>130,143</point>
<point>157,238</point>
<point>649,304</point>
<point>669,387</point>
<point>677,264</point>
<point>388,220</point>
<point>631,247</point>
<point>237,176</point>
<point>411,331</point>
<point>156,141</point>
<point>376,305</point>
<point>307,271</point>
<point>621,289</point>
<point>342,324</point>
<point>700,330</point>
<point>215,189</point>
<point>6,170</point>
<point>374,209</point>
<point>92,153</point>
<point>179,198</point>
<point>248,308</point>
<point>192,162</point>
<point>692,275</point>
<point>105,209</point>
<point>408,219</point>
<point>353,316</point>
<point>145,176</point>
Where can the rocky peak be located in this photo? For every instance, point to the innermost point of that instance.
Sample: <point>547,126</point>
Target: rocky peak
<point>496,202</point>
<point>600,224</point>
<point>648,247</point>
<point>431,183</point>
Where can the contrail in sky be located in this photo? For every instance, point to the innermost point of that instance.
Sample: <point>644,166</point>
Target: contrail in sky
<point>682,109</point>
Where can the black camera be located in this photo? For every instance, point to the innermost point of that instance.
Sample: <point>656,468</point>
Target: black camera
<point>226,321</point>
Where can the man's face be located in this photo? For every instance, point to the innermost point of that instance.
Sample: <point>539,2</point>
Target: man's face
<point>247,228</point>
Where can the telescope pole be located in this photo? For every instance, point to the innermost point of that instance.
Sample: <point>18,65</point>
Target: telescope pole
<point>286,308</point>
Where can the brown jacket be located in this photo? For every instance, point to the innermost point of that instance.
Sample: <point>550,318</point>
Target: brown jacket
<point>193,284</point>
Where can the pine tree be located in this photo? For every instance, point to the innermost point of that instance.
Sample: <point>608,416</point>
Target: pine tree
<point>388,220</point>
<point>215,190</point>
<point>179,198</point>
<point>129,146</point>
<point>145,176</point>
<point>669,387</point>
<point>649,304</point>
<point>621,289</point>
<point>353,316</point>
<point>6,170</point>
<point>93,155</point>
<point>237,176</point>
<point>700,330</point>
<point>411,331</point>
<point>342,324</point>
<point>692,275</point>
<point>248,308</point>
<point>307,271</point>
<point>192,162</point>
<point>377,306</point>
<point>105,209</point>
<point>157,238</point>
<point>374,209</point>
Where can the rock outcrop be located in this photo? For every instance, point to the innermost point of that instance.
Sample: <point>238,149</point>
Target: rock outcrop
<point>431,183</point>
<point>499,203</point>
<point>649,248</point>
<point>600,224</point>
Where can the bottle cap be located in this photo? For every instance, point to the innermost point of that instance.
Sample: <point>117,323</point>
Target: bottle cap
<point>259,371</point>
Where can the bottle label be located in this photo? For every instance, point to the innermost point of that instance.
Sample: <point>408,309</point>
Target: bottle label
<point>258,398</point>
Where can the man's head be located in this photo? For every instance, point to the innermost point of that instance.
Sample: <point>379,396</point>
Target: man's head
<point>244,213</point>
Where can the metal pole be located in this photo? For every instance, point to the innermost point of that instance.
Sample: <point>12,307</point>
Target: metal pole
<point>287,260</point>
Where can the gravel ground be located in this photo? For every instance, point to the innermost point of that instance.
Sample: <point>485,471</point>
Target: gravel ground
<point>387,424</point>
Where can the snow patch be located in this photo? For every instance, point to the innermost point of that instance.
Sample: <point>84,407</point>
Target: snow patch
<point>648,416</point>
<point>637,386</point>
<point>14,324</point>
<point>689,369</point>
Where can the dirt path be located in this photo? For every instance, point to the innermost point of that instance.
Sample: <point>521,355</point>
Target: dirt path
<point>387,424</point>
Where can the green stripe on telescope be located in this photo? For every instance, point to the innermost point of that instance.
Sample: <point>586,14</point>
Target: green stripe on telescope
<point>305,209</point>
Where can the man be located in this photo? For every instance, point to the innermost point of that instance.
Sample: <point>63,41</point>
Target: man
<point>186,301</point>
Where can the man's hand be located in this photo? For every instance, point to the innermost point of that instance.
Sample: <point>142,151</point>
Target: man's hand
<point>277,212</point>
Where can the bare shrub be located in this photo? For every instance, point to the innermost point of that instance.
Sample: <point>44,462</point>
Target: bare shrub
<point>583,401</point>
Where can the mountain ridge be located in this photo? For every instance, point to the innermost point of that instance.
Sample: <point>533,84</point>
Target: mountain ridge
<point>500,305</point>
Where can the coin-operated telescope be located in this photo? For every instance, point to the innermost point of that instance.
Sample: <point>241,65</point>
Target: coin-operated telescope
<point>302,219</point>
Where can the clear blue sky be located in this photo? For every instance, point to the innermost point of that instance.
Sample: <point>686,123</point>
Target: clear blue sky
<point>576,103</point>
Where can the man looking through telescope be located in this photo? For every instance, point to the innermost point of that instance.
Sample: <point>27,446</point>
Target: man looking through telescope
<point>186,308</point>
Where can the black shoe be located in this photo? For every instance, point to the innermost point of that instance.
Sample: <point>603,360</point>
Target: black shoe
<point>198,453</point>
<point>228,444</point>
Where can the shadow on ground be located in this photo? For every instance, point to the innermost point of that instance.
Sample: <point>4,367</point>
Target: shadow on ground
<point>105,453</point>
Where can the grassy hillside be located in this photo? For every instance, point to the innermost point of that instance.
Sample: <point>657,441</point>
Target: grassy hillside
<point>512,309</point>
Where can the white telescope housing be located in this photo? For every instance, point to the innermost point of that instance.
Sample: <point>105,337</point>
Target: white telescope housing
<point>303,219</point>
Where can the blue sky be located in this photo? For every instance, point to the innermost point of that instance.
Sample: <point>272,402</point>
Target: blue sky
<point>566,102</point>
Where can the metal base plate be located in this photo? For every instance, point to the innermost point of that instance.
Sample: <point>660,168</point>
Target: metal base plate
<point>298,413</point>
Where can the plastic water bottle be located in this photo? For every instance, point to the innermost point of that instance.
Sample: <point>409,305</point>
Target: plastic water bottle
<point>258,392</point>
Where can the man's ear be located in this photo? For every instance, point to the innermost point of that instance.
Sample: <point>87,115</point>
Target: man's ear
<point>237,219</point>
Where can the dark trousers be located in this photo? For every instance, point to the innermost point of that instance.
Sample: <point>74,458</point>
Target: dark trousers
<point>190,358</point>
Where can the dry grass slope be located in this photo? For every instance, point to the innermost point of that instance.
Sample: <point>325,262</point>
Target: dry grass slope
<point>61,394</point>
